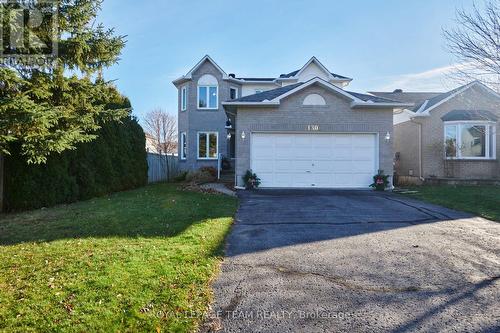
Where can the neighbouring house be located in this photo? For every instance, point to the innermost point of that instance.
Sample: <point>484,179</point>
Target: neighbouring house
<point>448,135</point>
<point>297,130</point>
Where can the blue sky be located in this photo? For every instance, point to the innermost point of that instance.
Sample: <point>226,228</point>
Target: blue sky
<point>383,45</point>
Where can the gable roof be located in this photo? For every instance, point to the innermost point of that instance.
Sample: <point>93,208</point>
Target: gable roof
<point>297,73</point>
<point>274,96</point>
<point>425,107</point>
<point>188,76</point>
<point>406,97</point>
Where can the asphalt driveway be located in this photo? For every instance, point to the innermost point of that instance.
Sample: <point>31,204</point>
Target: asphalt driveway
<point>344,261</point>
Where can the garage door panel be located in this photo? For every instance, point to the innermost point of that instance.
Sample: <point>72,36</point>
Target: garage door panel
<point>302,180</point>
<point>283,166</point>
<point>340,140</point>
<point>314,160</point>
<point>267,179</point>
<point>362,140</point>
<point>323,166</point>
<point>342,153</point>
<point>341,166</point>
<point>322,152</point>
<point>266,166</point>
<point>263,152</point>
<point>362,166</point>
<point>301,166</point>
<point>363,154</point>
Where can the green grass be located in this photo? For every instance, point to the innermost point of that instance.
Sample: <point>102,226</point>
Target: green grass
<point>140,260</point>
<point>481,200</point>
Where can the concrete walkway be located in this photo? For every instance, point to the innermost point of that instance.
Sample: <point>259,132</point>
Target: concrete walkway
<point>354,261</point>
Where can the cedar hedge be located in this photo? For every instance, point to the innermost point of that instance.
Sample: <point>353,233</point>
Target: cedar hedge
<point>115,161</point>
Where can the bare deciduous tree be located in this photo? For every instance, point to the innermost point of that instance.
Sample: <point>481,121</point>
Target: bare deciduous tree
<point>161,129</point>
<point>476,44</point>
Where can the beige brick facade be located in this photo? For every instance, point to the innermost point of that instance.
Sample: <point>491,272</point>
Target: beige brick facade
<point>434,163</point>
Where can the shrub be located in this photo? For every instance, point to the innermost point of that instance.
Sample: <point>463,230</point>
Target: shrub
<point>210,170</point>
<point>200,176</point>
<point>251,180</point>
<point>181,177</point>
<point>380,181</point>
<point>115,161</point>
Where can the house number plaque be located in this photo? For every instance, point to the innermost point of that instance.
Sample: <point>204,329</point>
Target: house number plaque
<point>313,128</point>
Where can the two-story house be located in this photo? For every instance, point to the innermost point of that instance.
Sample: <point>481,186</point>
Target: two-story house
<point>301,129</point>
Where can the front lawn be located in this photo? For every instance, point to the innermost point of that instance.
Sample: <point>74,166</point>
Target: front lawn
<point>481,200</point>
<point>134,261</point>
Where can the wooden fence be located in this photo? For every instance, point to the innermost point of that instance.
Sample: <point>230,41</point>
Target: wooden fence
<point>162,167</point>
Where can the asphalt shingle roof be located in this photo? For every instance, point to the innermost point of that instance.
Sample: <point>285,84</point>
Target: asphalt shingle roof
<point>407,97</point>
<point>269,94</point>
<point>366,98</point>
<point>458,115</point>
<point>272,94</point>
<point>291,74</point>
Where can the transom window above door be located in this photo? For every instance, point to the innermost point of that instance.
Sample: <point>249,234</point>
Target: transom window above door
<point>208,92</point>
<point>470,140</point>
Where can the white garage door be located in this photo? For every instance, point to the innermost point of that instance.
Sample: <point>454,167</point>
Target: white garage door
<point>314,160</point>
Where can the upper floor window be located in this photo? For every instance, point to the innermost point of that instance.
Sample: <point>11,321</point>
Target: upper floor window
<point>233,93</point>
<point>183,98</point>
<point>470,140</point>
<point>208,92</point>
<point>183,145</point>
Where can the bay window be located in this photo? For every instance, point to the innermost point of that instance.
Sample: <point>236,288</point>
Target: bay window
<point>208,145</point>
<point>470,140</point>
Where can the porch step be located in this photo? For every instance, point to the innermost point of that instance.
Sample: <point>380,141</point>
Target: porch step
<point>227,178</point>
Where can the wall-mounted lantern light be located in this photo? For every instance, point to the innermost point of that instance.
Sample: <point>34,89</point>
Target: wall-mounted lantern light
<point>229,125</point>
<point>388,137</point>
<point>243,135</point>
<point>229,136</point>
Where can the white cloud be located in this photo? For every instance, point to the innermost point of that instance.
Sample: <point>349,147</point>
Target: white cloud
<point>436,79</point>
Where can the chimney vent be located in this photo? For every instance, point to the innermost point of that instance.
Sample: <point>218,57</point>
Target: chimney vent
<point>232,75</point>
<point>398,91</point>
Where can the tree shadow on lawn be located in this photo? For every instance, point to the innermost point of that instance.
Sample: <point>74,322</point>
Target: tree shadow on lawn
<point>161,210</point>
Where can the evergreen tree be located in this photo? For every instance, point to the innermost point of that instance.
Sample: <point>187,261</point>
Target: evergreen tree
<point>42,111</point>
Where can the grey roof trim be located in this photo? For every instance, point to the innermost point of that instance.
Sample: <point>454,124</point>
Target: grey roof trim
<point>273,97</point>
<point>188,76</point>
<point>267,95</point>
<point>433,103</point>
<point>297,72</point>
<point>468,115</point>
<point>263,79</point>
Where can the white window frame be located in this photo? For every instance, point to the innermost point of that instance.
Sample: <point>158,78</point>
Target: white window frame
<point>208,97</point>
<point>208,145</point>
<point>235,89</point>
<point>489,125</point>
<point>184,98</point>
<point>183,142</point>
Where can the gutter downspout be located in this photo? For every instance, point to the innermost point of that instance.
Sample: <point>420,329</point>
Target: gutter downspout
<point>420,162</point>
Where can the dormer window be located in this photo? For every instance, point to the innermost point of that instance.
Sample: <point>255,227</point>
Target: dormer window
<point>208,92</point>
